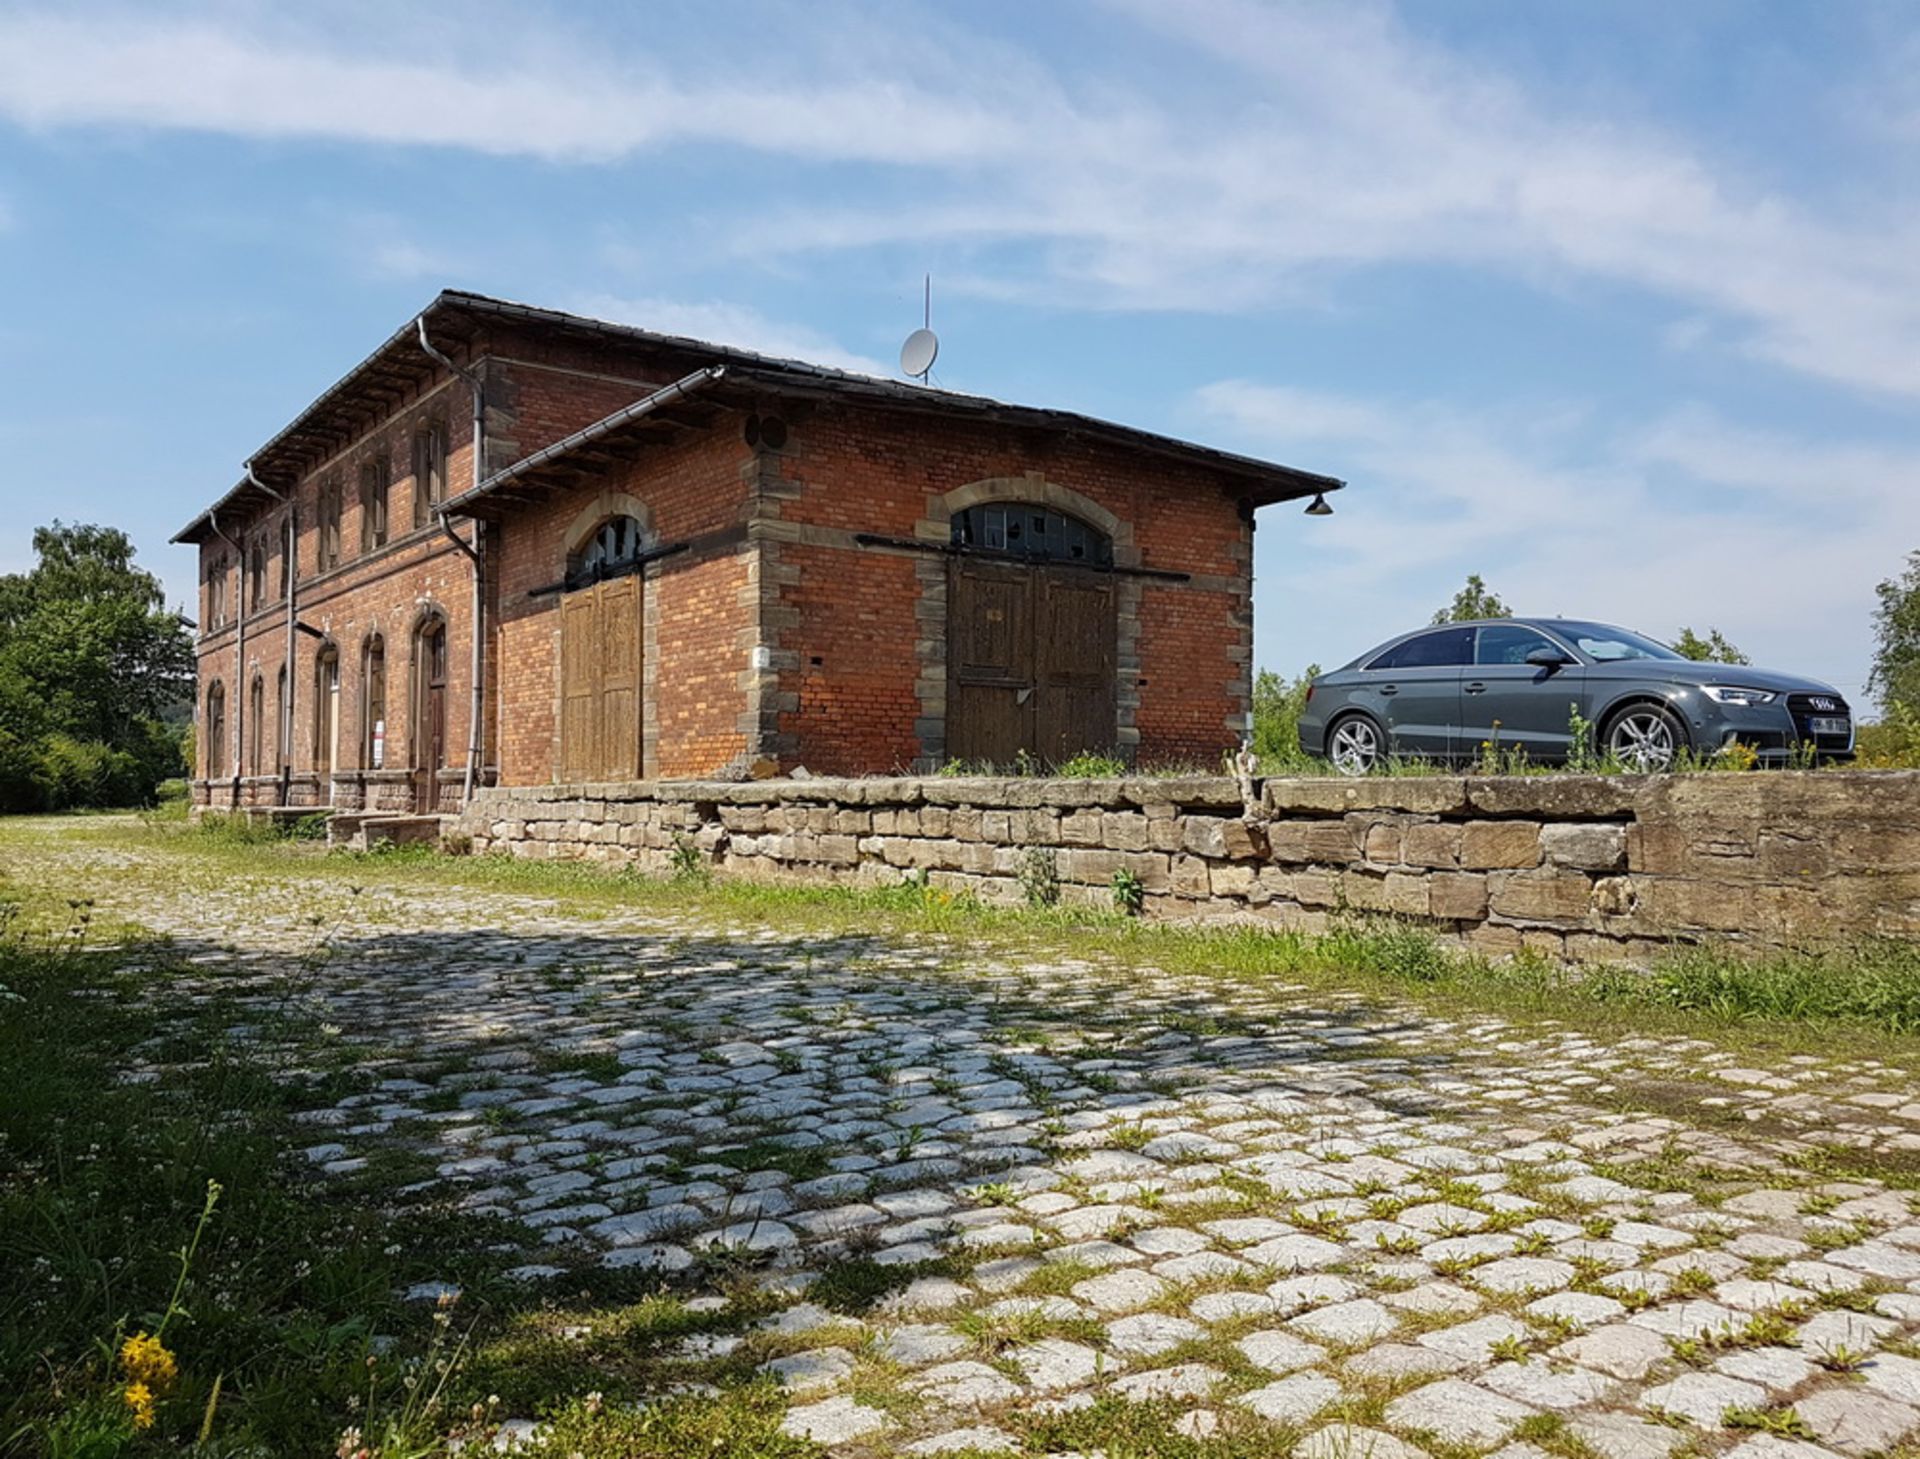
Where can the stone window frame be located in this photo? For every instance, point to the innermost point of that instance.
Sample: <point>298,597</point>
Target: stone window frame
<point>930,612</point>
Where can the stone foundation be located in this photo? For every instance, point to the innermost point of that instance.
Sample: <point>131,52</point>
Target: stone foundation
<point>1584,867</point>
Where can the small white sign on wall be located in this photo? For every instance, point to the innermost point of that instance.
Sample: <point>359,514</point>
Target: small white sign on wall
<point>762,656</point>
<point>379,744</point>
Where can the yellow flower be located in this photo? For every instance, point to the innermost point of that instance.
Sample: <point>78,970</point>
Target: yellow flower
<point>147,1362</point>
<point>139,1398</point>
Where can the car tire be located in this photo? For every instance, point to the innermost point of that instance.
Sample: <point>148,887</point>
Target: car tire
<point>1355,744</point>
<point>1645,737</point>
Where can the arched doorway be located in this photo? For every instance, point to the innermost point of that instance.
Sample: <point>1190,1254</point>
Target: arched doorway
<point>216,767</point>
<point>429,712</point>
<point>600,655</point>
<point>326,715</point>
<point>256,726</point>
<point>1032,635</point>
<point>373,700</point>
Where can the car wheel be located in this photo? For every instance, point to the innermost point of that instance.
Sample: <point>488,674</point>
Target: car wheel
<point>1353,744</point>
<point>1645,737</point>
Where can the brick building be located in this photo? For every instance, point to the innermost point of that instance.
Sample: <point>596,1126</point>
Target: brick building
<point>518,546</point>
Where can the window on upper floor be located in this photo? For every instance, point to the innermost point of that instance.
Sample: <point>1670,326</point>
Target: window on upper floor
<point>429,470</point>
<point>256,574</point>
<point>376,480</point>
<point>330,523</point>
<point>216,609</point>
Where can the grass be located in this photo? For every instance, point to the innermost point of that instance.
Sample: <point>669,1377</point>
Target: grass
<point>295,1284</point>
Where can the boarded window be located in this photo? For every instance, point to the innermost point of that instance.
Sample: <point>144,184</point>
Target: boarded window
<point>257,575</point>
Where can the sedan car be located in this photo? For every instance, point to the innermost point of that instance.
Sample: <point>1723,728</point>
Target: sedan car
<point>1525,684</point>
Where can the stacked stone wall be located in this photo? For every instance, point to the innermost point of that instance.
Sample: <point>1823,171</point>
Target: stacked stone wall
<point>1590,868</point>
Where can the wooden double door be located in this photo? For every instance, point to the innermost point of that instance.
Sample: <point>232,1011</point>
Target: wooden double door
<point>1031,651</point>
<point>600,671</point>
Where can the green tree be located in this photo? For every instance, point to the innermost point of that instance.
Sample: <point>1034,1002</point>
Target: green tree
<point>1896,640</point>
<point>1713,649</point>
<point>1277,704</point>
<point>92,666</point>
<point>1473,601</point>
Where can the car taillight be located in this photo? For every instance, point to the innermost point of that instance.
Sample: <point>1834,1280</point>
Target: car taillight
<point>1309,699</point>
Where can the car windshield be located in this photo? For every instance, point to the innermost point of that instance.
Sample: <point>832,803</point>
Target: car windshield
<point>1606,644</point>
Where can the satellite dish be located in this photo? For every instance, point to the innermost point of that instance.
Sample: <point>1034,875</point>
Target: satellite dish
<point>918,353</point>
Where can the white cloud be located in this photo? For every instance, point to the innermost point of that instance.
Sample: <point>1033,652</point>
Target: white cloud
<point>1298,141</point>
<point>1690,522</point>
<point>719,322</point>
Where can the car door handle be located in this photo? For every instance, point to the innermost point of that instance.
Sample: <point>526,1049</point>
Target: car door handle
<point>1476,688</point>
<point>1389,689</point>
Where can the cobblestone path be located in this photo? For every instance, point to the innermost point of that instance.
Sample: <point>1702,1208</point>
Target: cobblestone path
<point>1382,1233</point>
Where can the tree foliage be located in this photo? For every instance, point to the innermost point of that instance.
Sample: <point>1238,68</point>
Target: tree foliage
<point>1473,601</point>
<point>1277,704</point>
<point>1713,649</point>
<point>1896,640</point>
<point>92,666</point>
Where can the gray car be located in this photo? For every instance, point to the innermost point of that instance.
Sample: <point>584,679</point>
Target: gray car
<point>1443,692</point>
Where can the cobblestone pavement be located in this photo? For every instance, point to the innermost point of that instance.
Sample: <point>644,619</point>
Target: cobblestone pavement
<point>1385,1234</point>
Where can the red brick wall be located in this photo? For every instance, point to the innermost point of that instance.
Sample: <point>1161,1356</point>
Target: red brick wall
<point>690,490</point>
<point>856,618</point>
<point>863,471</point>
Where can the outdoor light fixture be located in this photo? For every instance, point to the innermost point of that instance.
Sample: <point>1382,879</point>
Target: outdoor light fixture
<point>1318,506</point>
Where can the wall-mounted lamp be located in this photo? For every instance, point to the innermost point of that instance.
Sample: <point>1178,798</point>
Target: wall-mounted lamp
<point>1318,506</point>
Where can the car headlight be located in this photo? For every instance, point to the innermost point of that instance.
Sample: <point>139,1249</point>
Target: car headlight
<point>1732,694</point>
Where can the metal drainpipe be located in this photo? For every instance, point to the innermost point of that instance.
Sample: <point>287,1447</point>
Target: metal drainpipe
<point>474,384</point>
<point>287,571</point>
<point>239,657</point>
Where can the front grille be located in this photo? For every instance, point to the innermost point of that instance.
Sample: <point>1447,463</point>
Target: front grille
<point>1805,708</point>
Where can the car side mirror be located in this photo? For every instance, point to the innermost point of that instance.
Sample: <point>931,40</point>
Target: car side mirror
<point>1547,658</point>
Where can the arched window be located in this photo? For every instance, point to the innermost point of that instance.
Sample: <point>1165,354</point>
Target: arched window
<point>615,544</point>
<point>216,730</point>
<point>256,724</point>
<point>283,732</point>
<point>326,709</point>
<point>1033,533</point>
<point>373,731</point>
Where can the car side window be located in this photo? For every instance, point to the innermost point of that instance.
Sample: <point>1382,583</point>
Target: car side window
<point>1446,648</point>
<point>1510,644</point>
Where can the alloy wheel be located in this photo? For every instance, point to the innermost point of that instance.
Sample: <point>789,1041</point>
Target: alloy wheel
<point>1644,739</point>
<point>1356,747</point>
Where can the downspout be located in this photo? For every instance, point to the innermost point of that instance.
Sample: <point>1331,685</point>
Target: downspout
<point>288,571</point>
<point>472,550</point>
<point>239,657</point>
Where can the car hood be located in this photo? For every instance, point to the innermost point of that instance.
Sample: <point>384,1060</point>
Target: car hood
<point>1691,674</point>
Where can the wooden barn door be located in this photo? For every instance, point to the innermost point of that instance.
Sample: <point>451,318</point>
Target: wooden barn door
<point>1075,644</point>
<point>600,674</point>
<point>1030,661</point>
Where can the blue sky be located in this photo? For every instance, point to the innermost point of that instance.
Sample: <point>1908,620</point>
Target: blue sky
<point>1616,305</point>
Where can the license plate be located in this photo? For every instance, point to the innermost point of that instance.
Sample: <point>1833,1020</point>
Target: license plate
<point>1828,726</point>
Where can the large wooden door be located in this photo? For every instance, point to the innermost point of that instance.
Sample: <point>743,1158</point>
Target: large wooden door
<point>600,676</point>
<point>1030,661</point>
<point>1074,646</point>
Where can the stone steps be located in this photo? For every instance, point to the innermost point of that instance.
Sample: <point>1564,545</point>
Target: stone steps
<point>363,831</point>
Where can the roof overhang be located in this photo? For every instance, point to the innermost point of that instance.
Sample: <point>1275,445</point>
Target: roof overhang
<point>459,321</point>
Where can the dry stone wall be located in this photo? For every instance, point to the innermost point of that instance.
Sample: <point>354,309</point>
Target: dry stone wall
<point>1587,867</point>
